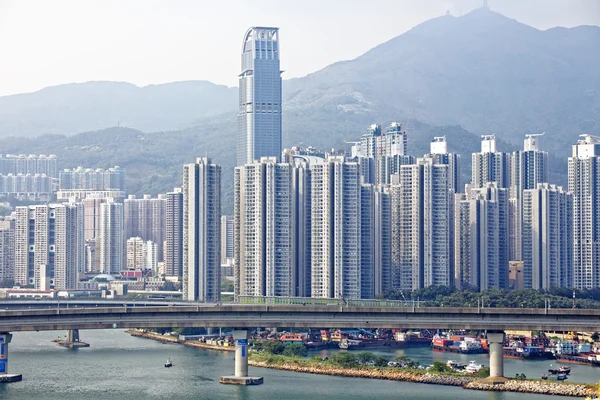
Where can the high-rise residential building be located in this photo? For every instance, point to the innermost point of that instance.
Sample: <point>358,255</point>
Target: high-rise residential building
<point>259,115</point>
<point>227,238</point>
<point>381,239</point>
<point>7,249</point>
<point>110,242</point>
<point>439,153</point>
<point>173,252</point>
<point>146,218</point>
<point>335,229</point>
<point>29,164</point>
<point>547,237</point>
<point>481,237</point>
<point>92,179</point>
<point>490,165</point>
<point>584,184</point>
<point>35,187</point>
<point>201,231</point>
<point>422,226</point>
<point>301,223</point>
<point>529,167</point>
<point>381,153</point>
<point>264,261</point>
<point>141,254</point>
<point>49,245</point>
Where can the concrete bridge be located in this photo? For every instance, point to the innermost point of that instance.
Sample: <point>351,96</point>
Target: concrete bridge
<point>243,316</point>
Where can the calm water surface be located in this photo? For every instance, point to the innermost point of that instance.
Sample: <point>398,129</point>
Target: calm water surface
<point>118,366</point>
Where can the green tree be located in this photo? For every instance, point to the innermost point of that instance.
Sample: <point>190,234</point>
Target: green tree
<point>273,347</point>
<point>364,357</point>
<point>440,367</point>
<point>295,350</point>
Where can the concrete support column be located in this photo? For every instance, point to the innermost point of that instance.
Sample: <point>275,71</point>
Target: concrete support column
<point>496,344</point>
<point>240,336</point>
<point>5,339</point>
<point>241,353</point>
<point>73,335</point>
<point>5,377</point>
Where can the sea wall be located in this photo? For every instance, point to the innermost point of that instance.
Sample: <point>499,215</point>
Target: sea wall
<point>173,339</point>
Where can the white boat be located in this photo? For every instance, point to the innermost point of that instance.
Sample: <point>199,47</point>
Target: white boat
<point>473,367</point>
<point>168,364</point>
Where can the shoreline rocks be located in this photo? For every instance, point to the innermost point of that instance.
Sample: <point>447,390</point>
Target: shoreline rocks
<point>467,382</point>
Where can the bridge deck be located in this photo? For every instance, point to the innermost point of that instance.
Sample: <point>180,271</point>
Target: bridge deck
<point>296,316</point>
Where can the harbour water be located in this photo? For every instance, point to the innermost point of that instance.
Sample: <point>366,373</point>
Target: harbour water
<point>118,366</point>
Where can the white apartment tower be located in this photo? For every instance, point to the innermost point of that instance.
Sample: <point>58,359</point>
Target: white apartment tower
<point>529,167</point>
<point>422,221</point>
<point>490,165</point>
<point>439,153</point>
<point>202,231</point>
<point>264,253</point>
<point>49,238</point>
<point>481,237</point>
<point>335,229</point>
<point>547,237</point>
<point>110,243</point>
<point>584,184</point>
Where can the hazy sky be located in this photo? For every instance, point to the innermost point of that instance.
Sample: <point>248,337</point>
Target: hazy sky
<point>49,42</point>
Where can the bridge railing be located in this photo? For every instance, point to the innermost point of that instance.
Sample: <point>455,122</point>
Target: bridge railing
<point>311,301</point>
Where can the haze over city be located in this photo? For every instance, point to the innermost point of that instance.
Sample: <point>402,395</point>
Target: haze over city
<point>45,43</point>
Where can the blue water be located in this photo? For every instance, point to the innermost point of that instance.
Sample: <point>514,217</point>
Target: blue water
<point>118,366</point>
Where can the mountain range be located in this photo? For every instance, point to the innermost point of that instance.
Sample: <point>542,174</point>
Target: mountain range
<point>480,73</point>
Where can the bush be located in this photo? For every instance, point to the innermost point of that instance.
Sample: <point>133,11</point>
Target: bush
<point>364,357</point>
<point>484,372</point>
<point>295,350</point>
<point>381,362</point>
<point>344,359</point>
<point>439,367</point>
<point>273,347</point>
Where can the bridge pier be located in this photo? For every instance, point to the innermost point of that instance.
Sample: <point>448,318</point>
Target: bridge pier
<point>72,341</point>
<point>496,344</point>
<point>5,377</point>
<point>240,336</point>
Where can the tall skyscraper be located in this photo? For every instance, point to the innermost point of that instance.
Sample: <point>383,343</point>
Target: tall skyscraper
<point>381,240</point>
<point>490,165</point>
<point>529,167</point>
<point>422,230</point>
<point>481,237</point>
<point>227,238</point>
<point>259,115</point>
<point>264,253</point>
<point>49,245</point>
<point>7,249</point>
<point>547,237</point>
<point>202,231</point>
<point>335,229</point>
<point>584,184</point>
<point>146,218</point>
<point>174,233</point>
<point>110,243</point>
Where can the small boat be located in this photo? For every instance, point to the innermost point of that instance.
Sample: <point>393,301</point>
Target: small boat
<point>168,364</point>
<point>473,367</point>
<point>560,371</point>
